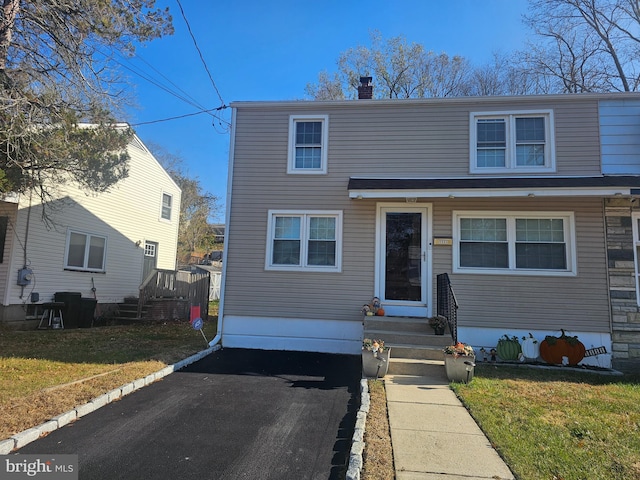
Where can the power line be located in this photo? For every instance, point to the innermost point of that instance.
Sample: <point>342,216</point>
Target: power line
<point>184,116</point>
<point>199,51</point>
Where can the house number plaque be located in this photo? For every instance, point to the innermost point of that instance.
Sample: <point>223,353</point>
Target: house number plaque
<point>443,241</point>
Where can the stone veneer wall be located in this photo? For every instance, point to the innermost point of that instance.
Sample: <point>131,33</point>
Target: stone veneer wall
<point>625,313</point>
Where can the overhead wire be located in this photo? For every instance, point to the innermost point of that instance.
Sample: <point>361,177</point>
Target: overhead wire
<point>195,43</point>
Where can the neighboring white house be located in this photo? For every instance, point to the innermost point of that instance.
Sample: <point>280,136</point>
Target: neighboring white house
<point>106,241</point>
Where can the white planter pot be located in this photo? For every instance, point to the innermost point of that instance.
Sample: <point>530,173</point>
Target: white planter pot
<point>375,364</point>
<point>459,369</point>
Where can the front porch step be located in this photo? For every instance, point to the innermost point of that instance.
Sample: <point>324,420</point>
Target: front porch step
<point>415,348</point>
<point>418,368</point>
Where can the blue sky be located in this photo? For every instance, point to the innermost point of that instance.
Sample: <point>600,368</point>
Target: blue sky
<point>270,50</point>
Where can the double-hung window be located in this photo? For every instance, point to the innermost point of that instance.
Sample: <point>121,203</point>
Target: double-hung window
<point>85,252</point>
<point>522,243</point>
<point>512,142</point>
<point>308,141</point>
<point>167,202</point>
<point>309,241</point>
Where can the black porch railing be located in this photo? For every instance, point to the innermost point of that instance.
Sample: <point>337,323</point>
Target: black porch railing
<point>448,305</point>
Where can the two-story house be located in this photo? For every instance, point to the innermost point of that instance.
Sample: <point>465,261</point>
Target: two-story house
<point>530,204</point>
<point>99,245</point>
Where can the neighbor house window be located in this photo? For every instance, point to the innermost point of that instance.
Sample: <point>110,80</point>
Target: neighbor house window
<point>536,243</point>
<point>85,252</point>
<point>167,201</point>
<point>308,144</point>
<point>512,142</point>
<point>304,241</point>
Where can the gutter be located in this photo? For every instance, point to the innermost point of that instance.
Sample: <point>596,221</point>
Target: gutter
<point>225,251</point>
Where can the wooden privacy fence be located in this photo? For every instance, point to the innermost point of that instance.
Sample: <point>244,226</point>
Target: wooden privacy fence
<point>192,286</point>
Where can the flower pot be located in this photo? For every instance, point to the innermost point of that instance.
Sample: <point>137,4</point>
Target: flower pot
<point>439,330</point>
<point>375,364</point>
<point>459,369</point>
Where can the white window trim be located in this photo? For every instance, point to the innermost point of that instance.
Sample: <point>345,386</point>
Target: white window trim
<point>635,217</point>
<point>86,253</point>
<point>510,160</point>
<point>162,206</point>
<point>569,235</point>
<point>291,158</point>
<point>304,241</point>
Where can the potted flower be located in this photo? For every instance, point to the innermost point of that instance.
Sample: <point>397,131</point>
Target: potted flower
<point>459,362</point>
<point>438,323</point>
<point>375,358</point>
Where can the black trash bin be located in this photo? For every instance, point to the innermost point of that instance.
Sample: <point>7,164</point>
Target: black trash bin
<point>72,307</point>
<point>87,312</point>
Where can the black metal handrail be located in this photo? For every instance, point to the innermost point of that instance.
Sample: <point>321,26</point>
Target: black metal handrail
<point>448,305</point>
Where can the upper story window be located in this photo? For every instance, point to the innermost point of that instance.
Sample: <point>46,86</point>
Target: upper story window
<point>85,252</point>
<point>308,144</point>
<point>309,241</point>
<point>515,242</point>
<point>512,142</point>
<point>167,202</point>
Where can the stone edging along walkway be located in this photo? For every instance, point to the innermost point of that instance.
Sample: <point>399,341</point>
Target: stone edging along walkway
<point>21,439</point>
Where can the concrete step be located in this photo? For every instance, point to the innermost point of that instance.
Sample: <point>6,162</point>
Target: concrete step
<point>404,324</point>
<point>418,352</point>
<point>409,338</point>
<point>419,368</point>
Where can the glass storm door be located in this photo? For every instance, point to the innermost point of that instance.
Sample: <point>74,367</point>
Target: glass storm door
<point>402,271</point>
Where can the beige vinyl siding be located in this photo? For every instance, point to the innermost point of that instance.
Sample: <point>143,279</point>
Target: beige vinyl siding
<point>524,301</point>
<point>404,139</point>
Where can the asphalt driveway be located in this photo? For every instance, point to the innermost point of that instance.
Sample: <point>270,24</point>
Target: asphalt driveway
<point>236,414</point>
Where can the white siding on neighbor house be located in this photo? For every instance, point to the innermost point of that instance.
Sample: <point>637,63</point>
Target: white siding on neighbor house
<point>620,136</point>
<point>127,215</point>
<point>405,139</point>
<point>8,209</point>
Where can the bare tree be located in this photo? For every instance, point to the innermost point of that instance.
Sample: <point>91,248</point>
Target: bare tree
<point>587,45</point>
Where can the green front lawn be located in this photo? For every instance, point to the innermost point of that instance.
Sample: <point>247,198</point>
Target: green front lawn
<point>556,424</point>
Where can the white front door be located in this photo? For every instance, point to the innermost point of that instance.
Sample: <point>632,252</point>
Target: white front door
<point>403,266</point>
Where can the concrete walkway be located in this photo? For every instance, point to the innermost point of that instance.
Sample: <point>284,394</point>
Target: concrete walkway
<point>433,435</point>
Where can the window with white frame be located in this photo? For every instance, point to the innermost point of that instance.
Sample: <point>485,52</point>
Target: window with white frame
<point>167,202</point>
<point>308,140</point>
<point>635,217</point>
<point>521,243</point>
<point>309,241</point>
<point>85,252</point>
<point>512,142</point>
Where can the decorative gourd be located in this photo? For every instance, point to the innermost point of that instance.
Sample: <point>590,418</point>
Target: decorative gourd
<point>508,348</point>
<point>553,349</point>
<point>530,347</point>
<point>380,312</point>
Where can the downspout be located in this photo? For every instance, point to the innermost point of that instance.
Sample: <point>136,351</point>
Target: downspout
<point>225,250</point>
<point>26,239</point>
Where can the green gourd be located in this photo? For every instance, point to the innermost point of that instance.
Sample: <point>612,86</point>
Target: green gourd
<point>508,348</point>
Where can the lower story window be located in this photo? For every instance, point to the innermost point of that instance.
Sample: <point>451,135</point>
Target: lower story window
<point>496,242</point>
<point>85,252</point>
<point>304,241</point>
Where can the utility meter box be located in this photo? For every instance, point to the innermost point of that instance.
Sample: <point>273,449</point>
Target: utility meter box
<point>24,276</point>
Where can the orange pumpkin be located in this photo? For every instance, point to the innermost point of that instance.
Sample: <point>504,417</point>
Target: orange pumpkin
<point>380,312</point>
<point>552,349</point>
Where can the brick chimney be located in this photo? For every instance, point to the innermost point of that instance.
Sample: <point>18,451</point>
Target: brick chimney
<point>365,89</point>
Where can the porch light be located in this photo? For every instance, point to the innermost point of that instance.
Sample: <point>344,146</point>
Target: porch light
<point>411,199</point>
<point>451,195</point>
